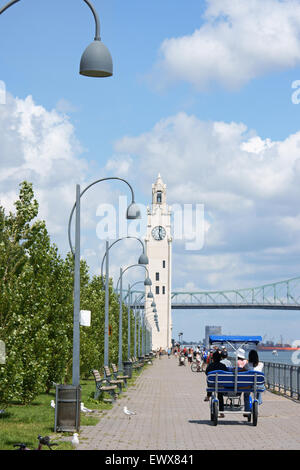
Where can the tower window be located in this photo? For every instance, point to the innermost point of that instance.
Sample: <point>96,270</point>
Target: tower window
<point>157,290</point>
<point>157,276</point>
<point>163,289</point>
<point>159,197</point>
<point>164,264</point>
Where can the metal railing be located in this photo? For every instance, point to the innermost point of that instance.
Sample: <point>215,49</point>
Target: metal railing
<point>283,378</point>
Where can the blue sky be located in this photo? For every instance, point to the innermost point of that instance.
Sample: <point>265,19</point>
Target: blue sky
<point>202,93</point>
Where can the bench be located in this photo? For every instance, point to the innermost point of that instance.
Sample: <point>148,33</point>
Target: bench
<point>112,380</point>
<point>117,376</point>
<point>103,388</point>
<point>136,364</point>
<point>220,381</point>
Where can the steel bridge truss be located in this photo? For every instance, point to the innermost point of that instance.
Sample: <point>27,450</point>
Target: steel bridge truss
<point>282,295</point>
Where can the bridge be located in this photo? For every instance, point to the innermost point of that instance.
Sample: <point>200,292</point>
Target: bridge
<point>281,295</point>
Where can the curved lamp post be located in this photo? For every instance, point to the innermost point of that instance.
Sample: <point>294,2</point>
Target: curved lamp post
<point>143,259</point>
<point>96,60</point>
<point>135,306</point>
<point>147,282</point>
<point>133,212</point>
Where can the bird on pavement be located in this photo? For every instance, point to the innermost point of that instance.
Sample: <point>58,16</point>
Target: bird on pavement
<point>128,412</point>
<point>75,440</point>
<point>84,409</point>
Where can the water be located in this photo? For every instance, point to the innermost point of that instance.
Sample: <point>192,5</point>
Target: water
<point>282,357</point>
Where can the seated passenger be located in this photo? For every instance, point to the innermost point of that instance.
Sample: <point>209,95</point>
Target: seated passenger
<point>253,364</point>
<point>241,358</point>
<point>224,358</point>
<point>216,364</point>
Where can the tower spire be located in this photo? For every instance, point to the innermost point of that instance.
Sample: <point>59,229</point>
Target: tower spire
<point>159,191</point>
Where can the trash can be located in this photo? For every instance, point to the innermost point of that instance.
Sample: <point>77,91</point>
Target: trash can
<point>128,368</point>
<point>67,408</point>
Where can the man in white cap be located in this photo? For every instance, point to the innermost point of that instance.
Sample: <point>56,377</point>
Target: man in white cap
<point>241,358</point>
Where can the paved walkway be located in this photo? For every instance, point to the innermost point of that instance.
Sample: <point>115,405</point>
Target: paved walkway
<point>171,414</point>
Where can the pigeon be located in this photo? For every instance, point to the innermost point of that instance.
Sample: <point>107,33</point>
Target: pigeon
<point>128,412</point>
<point>52,403</point>
<point>75,440</point>
<point>84,409</point>
<point>46,442</point>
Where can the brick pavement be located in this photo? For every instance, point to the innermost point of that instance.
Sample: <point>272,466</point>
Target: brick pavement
<point>171,414</point>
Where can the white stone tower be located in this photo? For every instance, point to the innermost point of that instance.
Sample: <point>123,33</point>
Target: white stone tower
<point>158,243</point>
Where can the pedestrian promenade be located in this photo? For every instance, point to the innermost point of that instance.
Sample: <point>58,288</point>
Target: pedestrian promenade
<point>171,415</point>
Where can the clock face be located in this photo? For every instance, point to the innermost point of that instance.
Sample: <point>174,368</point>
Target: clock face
<point>158,233</point>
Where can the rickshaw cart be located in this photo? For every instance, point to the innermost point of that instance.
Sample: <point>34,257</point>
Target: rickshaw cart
<point>233,383</point>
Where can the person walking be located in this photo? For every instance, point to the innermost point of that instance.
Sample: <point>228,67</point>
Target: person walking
<point>160,352</point>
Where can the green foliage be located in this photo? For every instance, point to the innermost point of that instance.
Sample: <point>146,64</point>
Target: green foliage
<point>36,308</point>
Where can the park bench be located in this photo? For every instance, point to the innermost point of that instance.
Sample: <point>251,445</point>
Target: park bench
<point>112,380</point>
<point>136,364</point>
<point>102,387</point>
<point>117,375</point>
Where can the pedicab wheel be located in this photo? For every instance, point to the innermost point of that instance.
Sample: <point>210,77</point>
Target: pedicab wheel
<point>194,367</point>
<point>214,413</point>
<point>255,412</point>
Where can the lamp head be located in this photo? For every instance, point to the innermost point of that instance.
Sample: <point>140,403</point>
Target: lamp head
<point>133,211</point>
<point>154,310</point>
<point>143,259</point>
<point>153,304</point>
<point>147,282</point>
<point>96,61</point>
<point>150,295</point>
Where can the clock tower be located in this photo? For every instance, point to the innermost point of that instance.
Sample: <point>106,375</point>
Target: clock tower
<point>158,243</point>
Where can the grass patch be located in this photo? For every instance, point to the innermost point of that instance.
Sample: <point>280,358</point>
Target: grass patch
<point>23,423</point>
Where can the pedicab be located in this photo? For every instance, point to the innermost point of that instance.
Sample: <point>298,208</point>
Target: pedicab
<point>233,383</point>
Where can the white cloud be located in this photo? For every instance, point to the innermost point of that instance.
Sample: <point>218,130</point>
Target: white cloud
<point>122,166</point>
<point>238,40</point>
<point>249,188</point>
<point>41,146</point>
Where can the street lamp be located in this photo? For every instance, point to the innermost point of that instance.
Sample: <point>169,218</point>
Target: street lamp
<point>147,282</point>
<point>135,314</point>
<point>131,211</point>
<point>96,60</point>
<point>143,259</point>
<point>180,336</point>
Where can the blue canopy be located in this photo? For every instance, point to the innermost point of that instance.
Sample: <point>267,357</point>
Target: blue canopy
<point>234,339</point>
